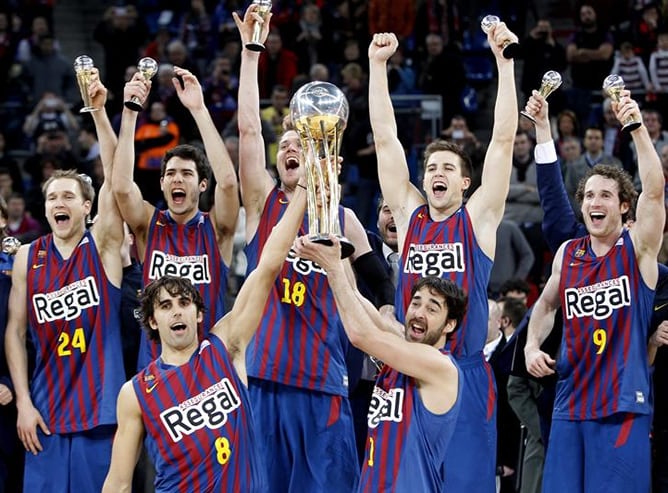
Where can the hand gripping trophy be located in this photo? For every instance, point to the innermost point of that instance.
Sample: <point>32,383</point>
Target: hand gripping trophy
<point>613,85</point>
<point>550,83</point>
<point>263,8</point>
<point>510,48</point>
<point>147,66</point>
<point>319,112</point>
<point>83,67</point>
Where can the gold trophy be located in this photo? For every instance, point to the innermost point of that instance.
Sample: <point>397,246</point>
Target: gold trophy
<point>263,8</point>
<point>319,112</point>
<point>550,83</point>
<point>83,67</point>
<point>613,85</point>
<point>510,48</point>
<point>147,66</point>
<point>10,245</point>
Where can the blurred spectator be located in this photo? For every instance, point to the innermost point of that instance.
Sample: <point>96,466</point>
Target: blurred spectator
<point>541,52</point>
<point>400,74</point>
<point>458,132</point>
<point>436,17</point>
<point>632,69</point>
<point>179,55</point>
<point>221,89</point>
<point>653,122</point>
<point>19,223</point>
<point>513,259</point>
<point>319,72</point>
<point>30,45</point>
<point>589,53</point>
<point>222,24</point>
<point>392,16</point>
<point>89,147</point>
<point>277,65</point>
<point>53,147</point>
<point>448,83</point>
<point>12,166</point>
<point>157,48</point>
<point>6,184</point>
<point>658,72</point>
<point>568,125</point>
<point>570,150</point>
<point>311,39</point>
<point>121,32</point>
<point>196,33</point>
<point>48,71</point>
<point>8,44</point>
<point>645,30</point>
<point>273,115</point>
<point>50,112</point>
<point>615,141</point>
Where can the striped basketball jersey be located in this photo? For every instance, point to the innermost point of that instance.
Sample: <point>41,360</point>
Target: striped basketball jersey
<point>406,443</point>
<point>185,250</point>
<point>607,307</point>
<point>447,249</point>
<point>74,321</point>
<point>197,419</point>
<point>300,340</point>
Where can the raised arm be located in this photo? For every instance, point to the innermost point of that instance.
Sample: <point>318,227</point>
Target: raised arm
<point>127,442</point>
<point>420,361</point>
<point>255,180</point>
<point>540,364</point>
<point>226,200</point>
<point>134,209</point>
<point>399,193</point>
<point>29,417</point>
<point>559,221</point>
<point>237,327</point>
<point>487,204</point>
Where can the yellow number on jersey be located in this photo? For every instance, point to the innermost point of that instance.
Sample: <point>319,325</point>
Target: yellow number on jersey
<point>600,339</point>
<point>223,450</point>
<point>66,343</point>
<point>293,295</point>
<point>372,451</point>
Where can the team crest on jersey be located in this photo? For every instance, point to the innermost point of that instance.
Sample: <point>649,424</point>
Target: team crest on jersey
<point>579,252</point>
<point>195,268</point>
<point>303,266</point>
<point>385,406</point>
<point>434,259</point>
<point>66,303</point>
<point>210,408</point>
<point>41,253</point>
<point>598,300</point>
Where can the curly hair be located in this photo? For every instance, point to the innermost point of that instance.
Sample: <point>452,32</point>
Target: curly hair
<point>455,297</point>
<point>175,286</point>
<point>626,191</point>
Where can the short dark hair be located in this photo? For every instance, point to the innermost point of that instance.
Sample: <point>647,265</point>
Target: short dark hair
<point>190,153</point>
<point>444,145</point>
<point>514,284</point>
<point>455,297</point>
<point>514,309</point>
<point>627,192</point>
<point>175,286</point>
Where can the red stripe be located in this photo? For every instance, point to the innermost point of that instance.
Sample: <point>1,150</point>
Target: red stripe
<point>334,410</point>
<point>625,430</point>
<point>491,395</point>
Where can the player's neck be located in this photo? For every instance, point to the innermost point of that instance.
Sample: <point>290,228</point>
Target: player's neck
<point>177,357</point>
<point>601,244</point>
<point>66,244</point>
<point>438,214</point>
<point>185,217</point>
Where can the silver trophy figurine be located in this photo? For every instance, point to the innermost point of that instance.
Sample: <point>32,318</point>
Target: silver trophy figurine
<point>510,48</point>
<point>10,245</point>
<point>319,112</point>
<point>550,83</point>
<point>263,8</point>
<point>147,66</point>
<point>613,85</point>
<point>83,67</point>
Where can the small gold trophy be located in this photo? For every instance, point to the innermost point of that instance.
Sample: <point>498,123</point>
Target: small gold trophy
<point>263,8</point>
<point>510,48</point>
<point>83,67</point>
<point>147,66</point>
<point>319,112</point>
<point>550,83</point>
<point>613,85</point>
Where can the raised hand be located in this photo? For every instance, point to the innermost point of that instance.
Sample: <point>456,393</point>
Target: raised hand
<point>498,37</point>
<point>538,108</point>
<point>190,94</point>
<point>138,87</point>
<point>245,26</point>
<point>383,46</point>
<point>327,257</point>
<point>96,90</point>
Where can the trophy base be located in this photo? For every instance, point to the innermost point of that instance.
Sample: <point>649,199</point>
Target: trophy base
<point>255,46</point>
<point>87,109</point>
<point>511,51</point>
<point>347,247</point>
<point>527,115</point>
<point>131,105</point>
<point>631,126</point>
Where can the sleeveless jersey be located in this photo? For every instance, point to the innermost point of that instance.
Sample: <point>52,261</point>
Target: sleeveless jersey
<point>447,249</point>
<point>185,250</point>
<point>74,320</point>
<point>406,443</point>
<point>300,340</point>
<point>607,307</point>
<point>197,418</point>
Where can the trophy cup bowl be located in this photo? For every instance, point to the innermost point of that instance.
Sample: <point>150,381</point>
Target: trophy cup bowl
<point>550,83</point>
<point>319,112</point>
<point>147,67</point>
<point>510,48</point>
<point>613,85</point>
<point>83,67</point>
<point>263,8</point>
<point>10,245</point>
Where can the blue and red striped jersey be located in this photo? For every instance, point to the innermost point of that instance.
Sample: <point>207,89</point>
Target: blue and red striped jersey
<point>185,250</point>
<point>447,249</point>
<point>198,419</point>
<point>406,443</point>
<point>74,321</point>
<point>607,307</point>
<point>300,340</point>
